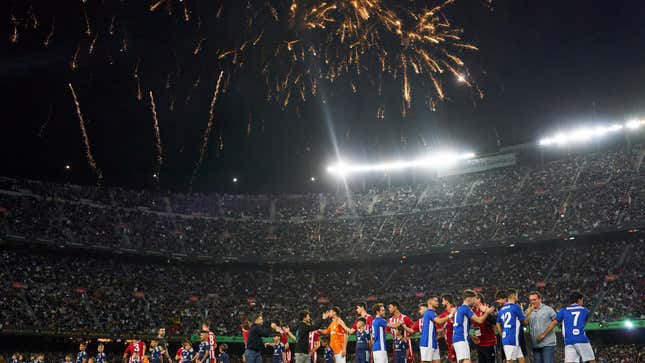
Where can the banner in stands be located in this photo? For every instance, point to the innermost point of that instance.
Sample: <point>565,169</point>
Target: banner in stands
<point>479,164</point>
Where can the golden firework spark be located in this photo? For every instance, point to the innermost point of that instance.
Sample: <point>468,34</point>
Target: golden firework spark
<point>335,39</point>
<point>209,127</point>
<point>155,125</point>
<point>86,140</point>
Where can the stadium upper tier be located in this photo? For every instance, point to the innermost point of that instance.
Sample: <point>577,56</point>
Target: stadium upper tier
<point>576,194</point>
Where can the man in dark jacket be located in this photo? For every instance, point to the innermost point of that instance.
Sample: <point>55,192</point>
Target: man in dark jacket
<point>304,327</point>
<point>257,331</point>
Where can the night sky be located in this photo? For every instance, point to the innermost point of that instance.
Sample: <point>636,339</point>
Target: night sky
<point>541,64</point>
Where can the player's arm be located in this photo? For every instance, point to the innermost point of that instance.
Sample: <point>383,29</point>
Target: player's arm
<point>345,339</point>
<point>441,321</point>
<point>527,318</point>
<point>481,319</point>
<point>547,330</point>
<point>284,357</point>
<point>410,330</point>
<point>287,330</point>
<point>125,356</point>
<point>271,344</point>
<point>324,331</point>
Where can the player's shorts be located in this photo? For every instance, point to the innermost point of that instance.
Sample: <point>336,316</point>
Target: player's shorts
<point>428,354</point>
<point>573,352</point>
<point>339,358</point>
<point>380,356</point>
<point>513,352</point>
<point>462,350</point>
<point>362,356</point>
<point>288,354</point>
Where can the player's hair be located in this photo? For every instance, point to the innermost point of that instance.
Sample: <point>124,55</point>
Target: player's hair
<point>206,324</point>
<point>432,296</point>
<point>400,329</point>
<point>187,341</point>
<point>395,304</point>
<point>101,345</point>
<point>303,314</point>
<point>223,347</point>
<point>256,316</point>
<point>510,293</point>
<point>361,304</point>
<point>335,309</point>
<point>324,339</point>
<point>575,296</point>
<point>377,307</point>
<point>66,356</point>
<point>468,293</point>
<point>449,298</point>
<point>536,293</point>
<point>480,296</point>
<point>500,294</point>
<point>362,320</point>
<point>422,305</point>
<point>155,339</point>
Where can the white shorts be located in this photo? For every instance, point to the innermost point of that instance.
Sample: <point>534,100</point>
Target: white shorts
<point>380,356</point>
<point>573,352</point>
<point>339,358</point>
<point>429,354</point>
<point>462,350</point>
<point>512,352</point>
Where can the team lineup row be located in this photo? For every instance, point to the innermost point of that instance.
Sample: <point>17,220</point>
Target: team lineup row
<point>453,325</point>
<point>487,328</point>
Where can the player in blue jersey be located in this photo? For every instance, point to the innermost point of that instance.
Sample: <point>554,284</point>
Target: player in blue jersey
<point>573,319</point>
<point>223,357</point>
<point>509,321</point>
<point>461,326</point>
<point>155,351</point>
<point>81,357</point>
<point>428,346</point>
<point>328,353</point>
<point>100,356</point>
<point>362,342</point>
<point>187,353</point>
<point>204,351</point>
<point>279,350</point>
<point>400,344</point>
<point>379,352</point>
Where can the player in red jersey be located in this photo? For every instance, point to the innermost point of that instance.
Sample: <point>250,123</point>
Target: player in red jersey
<point>484,338</point>
<point>314,344</point>
<point>417,327</point>
<point>361,312</point>
<point>445,330</point>
<point>284,339</point>
<point>402,319</point>
<point>212,341</point>
<point>136,348</point>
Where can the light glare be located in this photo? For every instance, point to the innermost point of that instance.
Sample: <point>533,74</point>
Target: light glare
<point>438,160</point>
<point>581,135</point>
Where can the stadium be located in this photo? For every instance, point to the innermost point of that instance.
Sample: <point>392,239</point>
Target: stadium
<point>286,225</point>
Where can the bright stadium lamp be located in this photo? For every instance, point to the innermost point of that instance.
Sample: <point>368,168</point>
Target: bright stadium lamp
<point>634,124</point>
<point>629,324</point>
<point>437,160</point>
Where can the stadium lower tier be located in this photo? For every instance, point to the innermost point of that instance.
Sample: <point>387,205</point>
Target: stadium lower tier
<point>67,291</point>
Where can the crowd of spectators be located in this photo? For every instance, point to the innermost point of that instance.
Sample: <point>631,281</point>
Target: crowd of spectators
<point>605,353</point>
<point>576,194</point>
<point>117,295</point>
